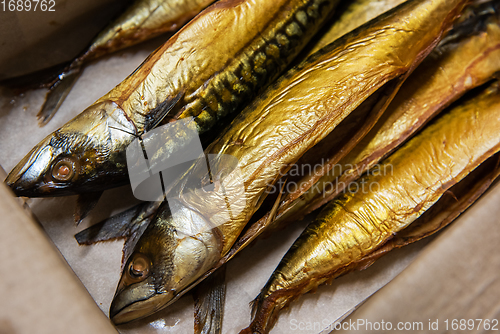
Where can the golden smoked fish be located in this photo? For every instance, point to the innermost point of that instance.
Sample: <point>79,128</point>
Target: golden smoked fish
<point>211,68</point>
<point>180,248</point>
<point>143,20</point>
<point>361,221</point>
<point>348,16</point>
<point>468,57</point>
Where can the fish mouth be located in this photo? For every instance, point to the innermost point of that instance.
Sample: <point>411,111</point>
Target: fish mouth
<point>127,306</point>
<point>11,182</point>
<point>43,190</point>
<point>26,176</point>
<point>24,185</point>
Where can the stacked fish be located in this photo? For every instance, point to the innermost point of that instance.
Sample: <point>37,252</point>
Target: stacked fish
<point>356,104</point>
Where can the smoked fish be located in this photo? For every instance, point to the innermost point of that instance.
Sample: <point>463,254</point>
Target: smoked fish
<point>191,235</point>
<point>468,57</point>
<point>211,68</point>
<point>364,219</point>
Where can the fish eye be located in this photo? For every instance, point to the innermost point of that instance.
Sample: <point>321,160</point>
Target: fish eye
<point>138,268</point>
<point>64,170</point>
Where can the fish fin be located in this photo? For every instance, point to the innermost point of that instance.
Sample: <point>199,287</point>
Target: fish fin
<point>121,225</point>
<point>84,204</point>
<point>129,225</point>
<point>115,227</point>
<point>209,297</point>
<point>56,95</point>
<point>163,109</point>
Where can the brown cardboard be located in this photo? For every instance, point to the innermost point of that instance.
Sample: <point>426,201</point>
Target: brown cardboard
<point>456,277</point>
<point>20,201</point>
<point>39,293</point>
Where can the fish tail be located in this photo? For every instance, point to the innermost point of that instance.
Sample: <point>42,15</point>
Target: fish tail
<point>265,310</point>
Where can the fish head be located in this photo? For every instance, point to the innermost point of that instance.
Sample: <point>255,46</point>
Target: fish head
<point>165,263</point>
<point>86,154</point>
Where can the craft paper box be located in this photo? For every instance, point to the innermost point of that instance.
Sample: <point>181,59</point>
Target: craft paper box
<point>40,293</point>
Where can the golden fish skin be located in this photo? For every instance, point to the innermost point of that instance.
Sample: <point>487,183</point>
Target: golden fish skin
<point>354,14</point>
<point>332,84</point>
<point>266,138</point>
<point>453,203</point>
<point>248,44</point>
<point>211,68</point>
<point>358,223</point>
<point>452,69</point>
<point>348,17</point>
